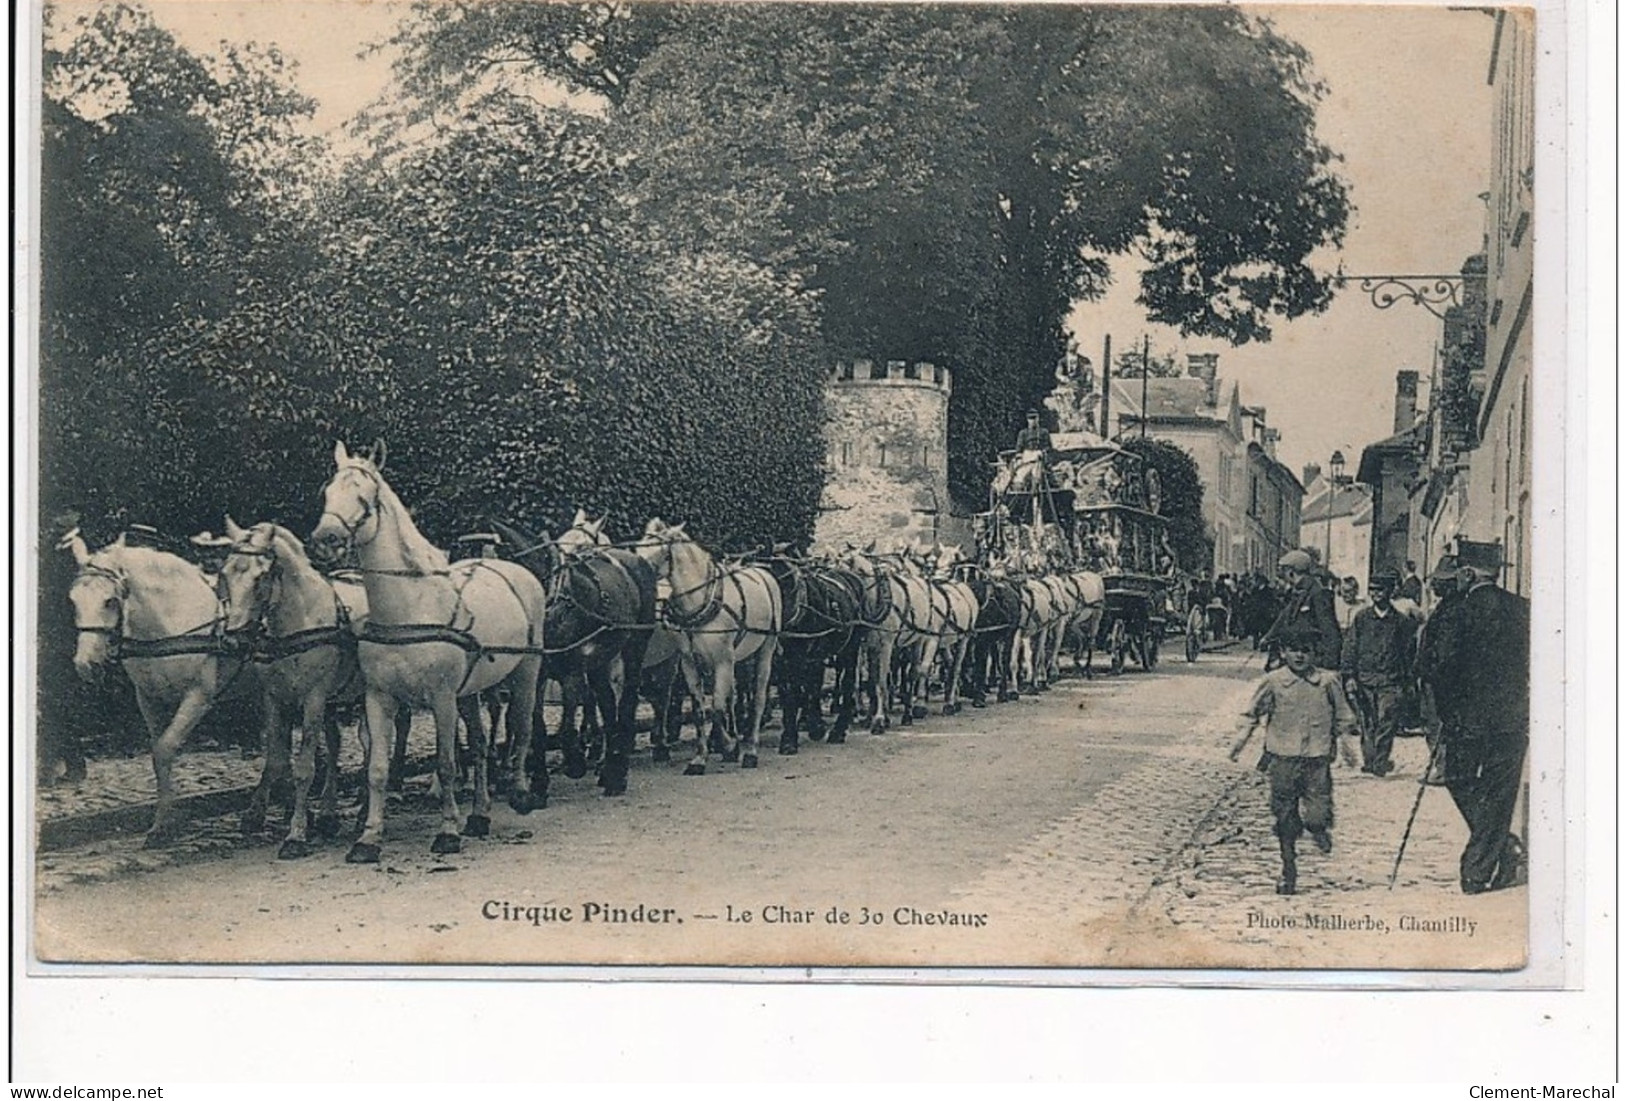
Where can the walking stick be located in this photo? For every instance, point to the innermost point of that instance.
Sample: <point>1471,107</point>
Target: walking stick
<point>1421,789</point>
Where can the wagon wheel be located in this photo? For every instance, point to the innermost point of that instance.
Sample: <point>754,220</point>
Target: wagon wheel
<point>1117,642</point>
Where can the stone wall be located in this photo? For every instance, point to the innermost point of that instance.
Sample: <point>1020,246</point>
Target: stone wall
<point>887,440</point>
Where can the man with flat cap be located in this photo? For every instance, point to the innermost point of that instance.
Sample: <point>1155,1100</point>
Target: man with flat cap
<point>1309,610</point>
<point>1378,659</point>
<point>1034,437</point>
<point>1478,663</point>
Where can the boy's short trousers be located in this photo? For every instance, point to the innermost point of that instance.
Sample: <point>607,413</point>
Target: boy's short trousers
<point>1300,793</point>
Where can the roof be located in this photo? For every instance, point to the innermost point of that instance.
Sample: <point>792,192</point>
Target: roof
<point>1401,444</point>
<point>1173,398</point>
<point>1351,500</point>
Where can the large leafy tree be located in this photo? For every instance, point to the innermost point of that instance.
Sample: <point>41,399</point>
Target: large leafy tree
<point>1182,491</point>
<point>945,180</point>
<point>171,234</point>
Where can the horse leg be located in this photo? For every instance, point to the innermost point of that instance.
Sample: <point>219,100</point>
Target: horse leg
<point>693,676</point>
<point>725,689</point>
<point>274,737</point>
<point>381,713</point>
<point>479,814</point>
<point>792,694</point>
<point>575,755</point>
<point>449,839</point>
<point>165,747</point>
<point>327,822</point>
<point>764,677</point>
<point>601,685</point>
<point>397,761</point>
<point>524,688</point>
<point>956,662</point>
<point>313,722</point>
<point>844,703</point>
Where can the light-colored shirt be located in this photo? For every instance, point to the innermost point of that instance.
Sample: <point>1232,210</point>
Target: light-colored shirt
<point>1304,714</point>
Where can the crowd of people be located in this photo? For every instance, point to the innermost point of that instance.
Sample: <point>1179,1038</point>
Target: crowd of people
<point>1343,667</point>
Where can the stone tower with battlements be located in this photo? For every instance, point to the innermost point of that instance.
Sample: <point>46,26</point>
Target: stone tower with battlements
<point>886,438</point>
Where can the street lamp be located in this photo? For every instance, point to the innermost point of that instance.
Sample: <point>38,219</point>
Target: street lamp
<point>1331,496</point>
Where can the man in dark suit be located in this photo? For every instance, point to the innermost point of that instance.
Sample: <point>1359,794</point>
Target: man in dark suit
<point>1034,437</point>
<point>1379,652</point>
<point>1411,587</point>
<point>1309,608</point>
<point>1479,673</point>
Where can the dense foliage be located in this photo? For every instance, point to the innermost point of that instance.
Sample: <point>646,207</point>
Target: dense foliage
<point>1181,499</point>
<point>600,254</point>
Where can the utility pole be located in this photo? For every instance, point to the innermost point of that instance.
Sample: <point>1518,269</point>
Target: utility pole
<point>1106,390</point>
<point>1145,386</point>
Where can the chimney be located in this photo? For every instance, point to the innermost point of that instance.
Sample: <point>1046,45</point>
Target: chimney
<point>1205,366</point>
<point>1311,471</point>
<point>1404,401</point>
<point>1261,429</point>
<point>1272,436</point>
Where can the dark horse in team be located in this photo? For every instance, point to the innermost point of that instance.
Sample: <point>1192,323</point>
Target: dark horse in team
<point>822,627</point>
<point>992,650</point>
<point>600,616</point>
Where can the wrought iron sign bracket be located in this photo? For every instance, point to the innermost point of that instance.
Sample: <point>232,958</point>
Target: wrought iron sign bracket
<point>1434,293</point>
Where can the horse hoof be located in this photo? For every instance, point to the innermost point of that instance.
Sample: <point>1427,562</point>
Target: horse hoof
<point>478,825</point>
<point>326,825</point>
<point>838,739</point>
<point>293,850</point>
<point>876,728</point>
<point>731,755</point>
<point>786,749</point>
<point>446,843</point>
<point>575,769</point>
<point>694,769</point>
<point>919,711</point>
<point>908,718</point>
<point>949,709</point>
<point>816,735</point>
<point>748,761</point>
<point>363,852</point>
<point>523,802</point>
<point>615,785</point>
<point>660,754</point>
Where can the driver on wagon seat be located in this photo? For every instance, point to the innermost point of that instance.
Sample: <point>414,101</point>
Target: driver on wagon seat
<point>1034,437</point>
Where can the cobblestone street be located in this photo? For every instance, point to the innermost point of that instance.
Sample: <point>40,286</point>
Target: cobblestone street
<point>1097,825</point>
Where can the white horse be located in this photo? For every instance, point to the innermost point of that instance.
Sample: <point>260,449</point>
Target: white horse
<point>309,624</point>
<point>954,612</point>
<point>158,615</point>
<point>721,617</point>
<point>436,632</point>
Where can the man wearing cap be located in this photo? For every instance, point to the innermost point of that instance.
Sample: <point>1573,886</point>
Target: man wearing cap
<point>1480,678</point>
<point>1309,609</point>
<point>1379,654</point>
<point>1034,437</point>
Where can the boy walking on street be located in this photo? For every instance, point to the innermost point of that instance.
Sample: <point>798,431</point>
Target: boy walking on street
<point>1303,711</point>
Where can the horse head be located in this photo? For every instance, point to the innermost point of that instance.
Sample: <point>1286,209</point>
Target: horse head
<point>350,501</point>
<point>97,595</point>
<point>583,534</point>
<point>657,546</point>
<point>249,574</point>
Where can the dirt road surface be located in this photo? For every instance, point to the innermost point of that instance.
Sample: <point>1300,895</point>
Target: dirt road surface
<point>1048,832</point>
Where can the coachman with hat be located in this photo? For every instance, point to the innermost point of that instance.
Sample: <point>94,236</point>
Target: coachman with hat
<point>1476,663</point>
<point>1035,437</point>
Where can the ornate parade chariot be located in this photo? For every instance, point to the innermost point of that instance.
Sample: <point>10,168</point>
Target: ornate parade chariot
<point>1087,504</point>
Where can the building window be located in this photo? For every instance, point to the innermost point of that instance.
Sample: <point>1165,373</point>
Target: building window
<point>846,453</point>
<point>882,456</point>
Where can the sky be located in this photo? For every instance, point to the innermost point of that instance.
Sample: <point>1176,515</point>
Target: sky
<point>1408,108</point>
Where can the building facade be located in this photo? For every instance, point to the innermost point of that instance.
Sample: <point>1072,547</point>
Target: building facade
<point>1251,503</point>
<point>1499,501</point>
<point>1337,520</point>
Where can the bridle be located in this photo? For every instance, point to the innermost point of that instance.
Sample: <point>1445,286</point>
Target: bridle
<point>369,506</point>
<point>115,630</point>
<point>713,577</point>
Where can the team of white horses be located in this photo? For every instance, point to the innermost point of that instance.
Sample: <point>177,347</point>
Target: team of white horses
<point>412,630</point>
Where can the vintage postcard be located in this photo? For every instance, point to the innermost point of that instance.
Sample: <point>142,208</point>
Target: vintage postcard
<point>1031,487</point>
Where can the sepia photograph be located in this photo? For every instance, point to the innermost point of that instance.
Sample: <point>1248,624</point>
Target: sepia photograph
<point>791,485</point>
